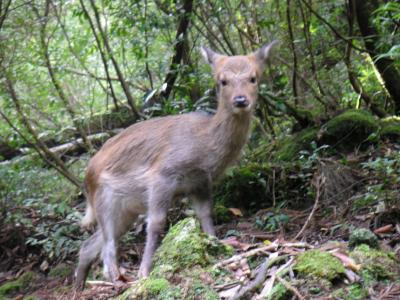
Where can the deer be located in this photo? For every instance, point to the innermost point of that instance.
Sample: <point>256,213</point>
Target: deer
<point>153,163</point>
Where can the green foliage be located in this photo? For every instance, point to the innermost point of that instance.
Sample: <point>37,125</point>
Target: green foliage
<point>221,213</point>
<point>272,221</point>
<point>319,265</point>
<point>28,186</point>
<point>243,186</point>
<point>290,148</point>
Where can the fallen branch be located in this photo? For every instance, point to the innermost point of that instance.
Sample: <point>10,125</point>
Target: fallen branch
<point>73,146</point>
<point>239,257</point>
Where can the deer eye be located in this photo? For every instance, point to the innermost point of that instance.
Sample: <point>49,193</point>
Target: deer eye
<point>223,82</point>
<point>253,79</point>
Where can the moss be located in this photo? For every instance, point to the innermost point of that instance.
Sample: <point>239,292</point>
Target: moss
<point>156,286</point>
<point>349,129</point>
<point>202,291</point>
<point>289,148</point>
<point>185,246</point>
<point>278,292</point>
<point>363,236</point>
<point>152,288</point>
<point>355,292</point>
<point>60,271</point>
<point>318,264</point>
<point>17,285</point>
<point>390,128</point>
<point>375,264</point>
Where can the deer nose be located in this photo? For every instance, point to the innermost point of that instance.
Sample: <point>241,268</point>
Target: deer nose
<point>240,101</point>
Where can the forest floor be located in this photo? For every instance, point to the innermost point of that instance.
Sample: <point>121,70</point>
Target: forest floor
<point>358,233</point>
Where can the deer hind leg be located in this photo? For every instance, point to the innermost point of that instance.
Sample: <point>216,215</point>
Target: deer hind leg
<point>90,249</point>
<point>114,221</point>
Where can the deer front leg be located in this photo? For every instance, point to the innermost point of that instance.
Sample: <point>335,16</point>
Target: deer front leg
<point>203,206</point>
<point>203,209</point>
<point>159,201</point>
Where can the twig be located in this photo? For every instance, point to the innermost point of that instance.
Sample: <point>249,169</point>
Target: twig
<point>252,252</point>
<point>320,182</point>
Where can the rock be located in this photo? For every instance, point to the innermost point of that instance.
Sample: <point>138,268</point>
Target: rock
<point>375,264</point>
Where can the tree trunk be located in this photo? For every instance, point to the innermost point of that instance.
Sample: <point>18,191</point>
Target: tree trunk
<point>385,66</point>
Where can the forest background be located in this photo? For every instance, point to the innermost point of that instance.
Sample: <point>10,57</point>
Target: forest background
<point>74,73</point>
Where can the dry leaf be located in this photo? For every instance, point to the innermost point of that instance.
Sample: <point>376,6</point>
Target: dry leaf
<point>236,212</point>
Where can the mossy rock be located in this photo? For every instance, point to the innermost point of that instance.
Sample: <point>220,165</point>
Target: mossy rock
<point>319,265</point>
<point>289,148</point>
<point>185,246</point>
<point>349,129</point>
<point>376,264</point>
<point>390,129</point>
<point>363,236</point>
<point>184,257</point>
<point>13,287</point>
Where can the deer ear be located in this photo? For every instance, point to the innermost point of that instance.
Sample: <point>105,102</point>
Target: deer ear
<point>264,52</point>
<point>209,55</point>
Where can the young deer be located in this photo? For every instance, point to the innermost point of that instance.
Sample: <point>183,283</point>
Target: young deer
<point>148,165</point>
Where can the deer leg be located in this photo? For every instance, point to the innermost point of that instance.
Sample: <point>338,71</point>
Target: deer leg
<point>114,222</point>
<point>203,209</point>
<point>159,201</point>
<point>203,206</point>
<point>90,249</point>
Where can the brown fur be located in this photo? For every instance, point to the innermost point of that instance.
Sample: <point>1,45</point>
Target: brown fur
<point>148,165</point>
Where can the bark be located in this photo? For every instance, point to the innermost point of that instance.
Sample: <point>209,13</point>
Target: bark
<point>180,47</point>
<point>4,8</point>
<point>295,68</point>
<point>385,66</point>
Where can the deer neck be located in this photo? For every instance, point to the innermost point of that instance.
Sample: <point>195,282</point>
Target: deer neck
<point>229,133</point>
